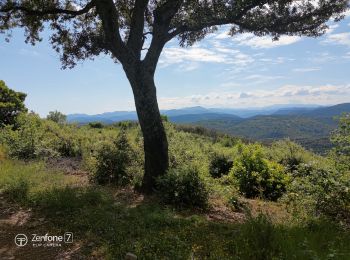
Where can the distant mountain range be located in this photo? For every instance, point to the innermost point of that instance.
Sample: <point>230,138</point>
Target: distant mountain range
<point>309,125</point>
<point>111,117</point>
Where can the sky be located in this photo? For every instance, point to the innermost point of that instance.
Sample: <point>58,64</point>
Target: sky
<point>220,71</point>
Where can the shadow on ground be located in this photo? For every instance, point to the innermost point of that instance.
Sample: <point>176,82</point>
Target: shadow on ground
<point>109,224</point>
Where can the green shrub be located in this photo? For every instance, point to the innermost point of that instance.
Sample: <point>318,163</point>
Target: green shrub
<point>97,125</point>
<point>36,138</point>
<point>199,130</point>
<point>334,202</point>
<point>23,143</point>
<point>112,162</point>
<point>57,117</point>
<point>220,165</point>
<point>236,204</point>
<point>11,104</point>
<point>289,154</point>
<point>126,124</point>
<point>228,141</point>
<point>164,118</point>
<point>69,146</point>
<point>317,190</point>
<point>258,177</point>
<point>64,139</point>
<point>183,188</point>
<point>341,141</point>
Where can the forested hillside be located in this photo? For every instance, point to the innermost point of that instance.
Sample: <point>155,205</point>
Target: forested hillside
<point>309,127</point>
<point>309,132</point>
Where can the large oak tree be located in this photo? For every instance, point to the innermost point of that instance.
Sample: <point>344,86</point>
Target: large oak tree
<point>134,33</point>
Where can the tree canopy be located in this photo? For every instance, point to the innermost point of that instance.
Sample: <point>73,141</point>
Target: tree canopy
<point>57,117</point>
<point>11,104</point>
<point>82,29</point>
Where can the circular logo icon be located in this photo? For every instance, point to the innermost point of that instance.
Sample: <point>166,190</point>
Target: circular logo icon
<point>21,240</point>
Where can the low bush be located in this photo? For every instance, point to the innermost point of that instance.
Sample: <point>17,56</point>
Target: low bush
<point>183,188</point>
<point>126,124</point>
<point>199,130</point>
<point>57,117</point>
<point>258,177</point>
<point>164,118</point>
<point>228,141</point>
<point>320,191</point>
<point>97,125</point>
<point>236,204</point>
<point>69,146</point>
<point>112,162</point>
<point>289,154</point>
<point>23,142</point>
<point>36,138</point>
<point>334,202</point>
<point>341,141</point>
<point>220,165</point>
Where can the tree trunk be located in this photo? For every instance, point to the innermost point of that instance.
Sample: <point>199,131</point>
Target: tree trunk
<point>154,136</point>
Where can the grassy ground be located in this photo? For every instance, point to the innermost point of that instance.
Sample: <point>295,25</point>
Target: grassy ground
<point>108,223</point>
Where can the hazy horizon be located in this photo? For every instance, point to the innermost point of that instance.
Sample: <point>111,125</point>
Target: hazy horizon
<point>257,108</point>
<point>280,106</point>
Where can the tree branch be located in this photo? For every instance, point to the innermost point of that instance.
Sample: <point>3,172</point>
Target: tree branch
<point>108,13</point>
<point>263,23</point>
<point>162,19</point>
<point>235,15</point>
<point>50,11</point>
<point>135,41</point>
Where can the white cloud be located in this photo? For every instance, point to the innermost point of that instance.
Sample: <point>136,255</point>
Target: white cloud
<point>196,55</point>
<point>178,55</point>
<point>332,28</point>
<point>256,79</point>
<point>189,66</point>
<point>264,42</point>
<point>27,52</point>
<point>307,69</point>
<point>230,85</point>
<point>277,60</point>
<point>222,35</point>
<point>338,38</point>
<point>311,91</point>
<point>347,13</point>
<point>324,94</point>
<point>323,57</point>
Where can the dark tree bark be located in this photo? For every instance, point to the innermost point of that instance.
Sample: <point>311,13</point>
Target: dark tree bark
<point>154,136</point>
<point>141,77</point>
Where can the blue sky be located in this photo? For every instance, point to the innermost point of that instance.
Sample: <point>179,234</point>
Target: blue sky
<point>220,71</point>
